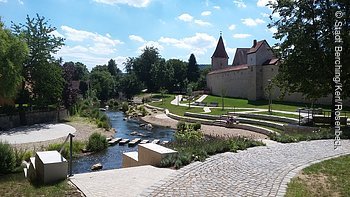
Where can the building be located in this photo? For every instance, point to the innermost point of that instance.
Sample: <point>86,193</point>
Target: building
<point>249,75</point>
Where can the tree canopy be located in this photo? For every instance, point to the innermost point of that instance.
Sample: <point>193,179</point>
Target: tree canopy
<point>13,53</point>
<point>307,49</point>
<point>192,69</point>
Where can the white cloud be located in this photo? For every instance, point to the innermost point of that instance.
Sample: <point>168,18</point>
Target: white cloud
<point>185,17</point>
<point>133,3</point>
<point>150,44</point>
<point>21,2</point>
<point>272,30</point>
<point>198,44</point>
<point>239,3</point>
<point>263,3</point>
<point>206,13</point>
<point>57,34</point>
<point>217,7</point>
<point>241,36</point>
<point>136,38</point>
<point>252,22</point>
<point>274,15</point>
<point>232,27</point>
<point>202,23</point>
<point>3,1</point>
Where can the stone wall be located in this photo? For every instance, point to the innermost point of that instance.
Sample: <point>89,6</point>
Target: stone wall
<point>11,121</point>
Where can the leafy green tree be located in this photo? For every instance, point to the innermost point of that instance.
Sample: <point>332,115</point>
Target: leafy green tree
<point>192,69</point>
<point>131,85</point>
<point>142,66</point>
<point>162,75</point>
<point>180,73</point>
<point>112,67</point>
<point>307,30</point>
<point>202,81</point>
<point>41,72</point>
<point>12,55</point>
<point>81,72</point>
<point>102,82</point>
<point>70,95</point>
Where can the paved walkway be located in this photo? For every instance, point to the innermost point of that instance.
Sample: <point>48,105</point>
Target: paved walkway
<point>120,182</point>
<point>258,171</point>
<point>36,133</point>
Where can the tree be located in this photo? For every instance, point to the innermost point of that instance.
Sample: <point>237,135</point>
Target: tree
<point>202,81</point>
<point>81,72</point>
<point>70,95</point>
<point>307,30</point>
<point>40,64</point>
<point>112,67</point>
<point>180,73</point>
<point>192,69</point>
<point>130,85</point>
<point>102,82</point>
<point>12,55</point>
<point>161,75</point>
<point>142,66</point>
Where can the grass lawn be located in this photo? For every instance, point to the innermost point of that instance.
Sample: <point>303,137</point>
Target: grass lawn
<point>279,114</point>
<point>327,178</point>
<point>17,185</point>
<point>219,111</point>
<point>178,110</point>
<point>263,104</point>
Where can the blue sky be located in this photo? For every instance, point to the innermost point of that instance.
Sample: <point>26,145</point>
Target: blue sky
<point>98,30</point>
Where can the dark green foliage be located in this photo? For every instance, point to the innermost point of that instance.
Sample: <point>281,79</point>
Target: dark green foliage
<point>102,82</point>
<point>125,107</point>
<point>192,69</point>
<point>196,126</point>
<point>97,142</point>
<point>7,158</point>
<point>181,126</point>
<point>113,104</point>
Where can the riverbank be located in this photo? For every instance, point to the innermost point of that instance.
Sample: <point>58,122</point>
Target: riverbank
<point>84,128</point>
<point>161,119</point>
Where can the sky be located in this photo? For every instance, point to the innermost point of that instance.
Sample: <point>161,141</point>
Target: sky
<point>98,30</point>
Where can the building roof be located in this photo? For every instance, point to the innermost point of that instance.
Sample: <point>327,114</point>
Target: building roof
<point>240,56</point>
<point>271,61</point>
<point>229,68</point>
<point>255,48</point>
<point>220,49</point>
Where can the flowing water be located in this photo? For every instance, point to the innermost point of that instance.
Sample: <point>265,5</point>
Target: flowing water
<point>111,158</point>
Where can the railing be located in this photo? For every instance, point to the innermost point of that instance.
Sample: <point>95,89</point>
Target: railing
<point>70,136</point>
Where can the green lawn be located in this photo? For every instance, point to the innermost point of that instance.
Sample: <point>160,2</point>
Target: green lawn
<point>219,111</point>
<point>178,110</point>
<point>17,185</point>
<point>262,104</point>
<point>327,178</point>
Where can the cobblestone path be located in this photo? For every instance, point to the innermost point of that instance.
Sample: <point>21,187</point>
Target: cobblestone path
<point>258,171</point>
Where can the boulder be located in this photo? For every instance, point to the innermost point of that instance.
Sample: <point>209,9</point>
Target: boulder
<point>97,166</point>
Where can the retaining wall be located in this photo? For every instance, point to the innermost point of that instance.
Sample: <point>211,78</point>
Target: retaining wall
<point>11,121</point>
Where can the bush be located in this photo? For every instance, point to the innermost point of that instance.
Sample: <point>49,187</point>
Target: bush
<point>97,142</point>
<point>181,126</point>
<point>196,126</point>
<point>125,107</point>
<point>77,148</point>
<point>7,158</point>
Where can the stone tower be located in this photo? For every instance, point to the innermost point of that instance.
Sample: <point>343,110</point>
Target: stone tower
<point>220,58</point>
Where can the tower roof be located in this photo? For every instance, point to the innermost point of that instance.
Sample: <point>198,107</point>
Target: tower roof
<point>220,49</point>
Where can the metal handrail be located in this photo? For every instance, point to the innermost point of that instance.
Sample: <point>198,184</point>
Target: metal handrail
<point>70,136</point>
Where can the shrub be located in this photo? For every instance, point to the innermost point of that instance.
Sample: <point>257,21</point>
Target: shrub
<point>97,142</point>
<point>125,107</point>
<point>181,126</point>
<point>196,126</point>
<point>77,147</point>
<point>7,158</point>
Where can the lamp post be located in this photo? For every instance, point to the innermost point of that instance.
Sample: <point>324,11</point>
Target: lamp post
<point>270,101</point>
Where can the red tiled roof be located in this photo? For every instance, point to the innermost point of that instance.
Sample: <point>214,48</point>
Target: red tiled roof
<point>230,68</point>
<point>220,49</point>
<point>240,56</point>
<point>256,47</point>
